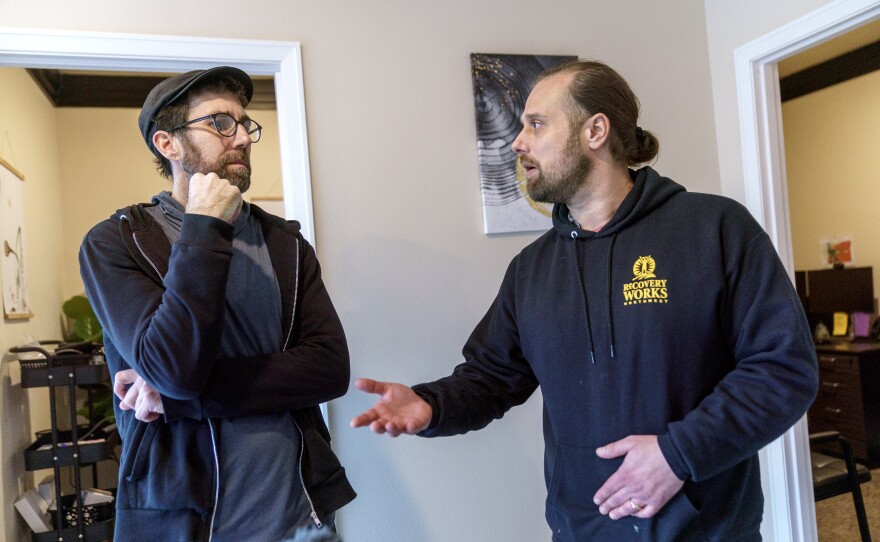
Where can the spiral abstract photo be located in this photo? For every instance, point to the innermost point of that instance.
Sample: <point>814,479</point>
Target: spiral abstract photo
<point>501,85</point>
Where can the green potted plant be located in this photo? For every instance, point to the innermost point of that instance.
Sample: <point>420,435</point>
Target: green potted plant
<point>83,325</point>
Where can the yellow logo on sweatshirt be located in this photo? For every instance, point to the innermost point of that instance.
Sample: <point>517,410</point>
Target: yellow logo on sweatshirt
<point>645,287</point>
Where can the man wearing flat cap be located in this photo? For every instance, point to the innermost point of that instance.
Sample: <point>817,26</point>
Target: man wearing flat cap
<point>220,335</point>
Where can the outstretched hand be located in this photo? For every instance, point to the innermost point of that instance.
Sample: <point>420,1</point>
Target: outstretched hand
<point>398,411</point>
<point>643,483</point>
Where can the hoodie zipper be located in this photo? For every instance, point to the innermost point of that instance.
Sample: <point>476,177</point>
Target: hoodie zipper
<point>302,446</point>
<point>295,294</point>
<point>141,250</point>
<point>214,451</point>
<point>302,438</point>
<point>217,477</point>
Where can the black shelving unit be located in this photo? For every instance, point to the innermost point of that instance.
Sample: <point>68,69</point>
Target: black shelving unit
<point>68,366</point>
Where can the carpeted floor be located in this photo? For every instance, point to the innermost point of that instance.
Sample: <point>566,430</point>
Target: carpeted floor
<point>836,517</point>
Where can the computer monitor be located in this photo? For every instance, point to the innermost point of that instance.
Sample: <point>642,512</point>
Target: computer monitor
<point>850,289</point>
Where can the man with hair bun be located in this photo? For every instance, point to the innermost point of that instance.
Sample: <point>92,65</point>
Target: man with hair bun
<point>660,324</point>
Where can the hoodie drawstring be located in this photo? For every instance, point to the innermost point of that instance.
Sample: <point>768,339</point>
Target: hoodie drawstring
<point>608,297</point>
<point>577,263</point>
<point>580,276</point>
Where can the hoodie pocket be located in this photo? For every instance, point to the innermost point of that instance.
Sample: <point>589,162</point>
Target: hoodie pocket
<point>320,464</point>
<point>573,477</point>
<point>136,450</point>
<point>140,446</point>
<point>167,467</point>
<point>679,520</point>
<point>577,473</point>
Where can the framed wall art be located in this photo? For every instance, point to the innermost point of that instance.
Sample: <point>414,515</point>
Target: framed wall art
<point>16,302</point>
<point>501,85</point>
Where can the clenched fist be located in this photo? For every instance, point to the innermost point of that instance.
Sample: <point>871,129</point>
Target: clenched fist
<point>210,195</point>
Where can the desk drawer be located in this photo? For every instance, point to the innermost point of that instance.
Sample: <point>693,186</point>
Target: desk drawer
<point>839,404</point>
<point>848,400</point>
<point>839,364</point>
<point>843,413</point>
<point>839,415</point>
<point>838,388</point>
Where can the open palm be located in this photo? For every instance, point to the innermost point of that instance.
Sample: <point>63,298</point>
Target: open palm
<point>399,410</point>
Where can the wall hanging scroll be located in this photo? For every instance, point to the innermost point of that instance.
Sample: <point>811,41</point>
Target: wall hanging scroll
<point>16,303</point>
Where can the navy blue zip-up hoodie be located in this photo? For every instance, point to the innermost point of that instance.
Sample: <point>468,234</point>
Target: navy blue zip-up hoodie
<point>164,320</point>
<point>676,319</point>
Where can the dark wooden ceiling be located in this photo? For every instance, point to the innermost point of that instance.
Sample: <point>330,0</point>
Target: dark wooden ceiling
<point>84,89</point>
<point>836,70</point>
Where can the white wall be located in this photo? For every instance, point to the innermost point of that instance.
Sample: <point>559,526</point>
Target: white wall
<point>730,25</point>
<point>397,205</point>
<point>27,141</point>
<point>831,140</point>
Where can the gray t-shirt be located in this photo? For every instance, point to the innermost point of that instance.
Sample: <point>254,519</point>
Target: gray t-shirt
<point>261,496</point>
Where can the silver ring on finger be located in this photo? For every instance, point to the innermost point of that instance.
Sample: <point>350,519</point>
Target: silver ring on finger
<point>634,506</point>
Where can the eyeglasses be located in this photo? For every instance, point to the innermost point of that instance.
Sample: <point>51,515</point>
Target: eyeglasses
<point>227,126</point>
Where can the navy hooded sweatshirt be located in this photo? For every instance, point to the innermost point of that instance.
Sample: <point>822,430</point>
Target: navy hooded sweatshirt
<point>676,319</point>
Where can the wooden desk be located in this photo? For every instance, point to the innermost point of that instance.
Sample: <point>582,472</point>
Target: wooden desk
<point>849,396</point>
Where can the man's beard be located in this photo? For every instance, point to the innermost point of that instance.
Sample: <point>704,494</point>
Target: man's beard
<point>192,162</point>
<point>563,178</point>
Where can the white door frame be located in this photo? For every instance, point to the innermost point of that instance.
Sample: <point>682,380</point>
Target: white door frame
<point>790,495</point>
<point>30,48</point>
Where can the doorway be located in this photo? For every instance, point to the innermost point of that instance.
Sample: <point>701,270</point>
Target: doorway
<point>104,52</point>
<point>830,115</point>
<point>27,48</point>
<point>789,494</point>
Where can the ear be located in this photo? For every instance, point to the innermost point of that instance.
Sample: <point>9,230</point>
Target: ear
<point>167,145</point>
<point>597,131</point>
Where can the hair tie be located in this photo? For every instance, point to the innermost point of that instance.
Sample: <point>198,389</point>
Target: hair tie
<point>639,132</point>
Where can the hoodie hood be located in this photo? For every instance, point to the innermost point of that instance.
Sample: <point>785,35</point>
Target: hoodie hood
<point>650,190</point>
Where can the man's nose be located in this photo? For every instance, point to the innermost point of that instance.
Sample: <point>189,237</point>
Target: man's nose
<point>519,146</point>
<point>241,138</point>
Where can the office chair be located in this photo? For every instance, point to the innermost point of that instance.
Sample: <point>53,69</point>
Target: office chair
<point>833,476</point>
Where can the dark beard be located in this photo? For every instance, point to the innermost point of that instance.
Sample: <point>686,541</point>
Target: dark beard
<point>561,185</point>
<point>237,176</point>
<point>192,162</point>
